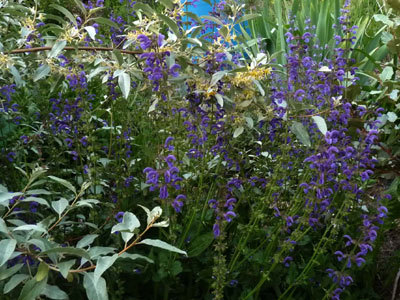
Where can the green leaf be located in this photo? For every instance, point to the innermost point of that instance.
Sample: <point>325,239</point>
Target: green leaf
<point>42,272</point>
<point>91,31</point>
<point>171,24</point>
<point>41,72</point>
<point>57,48</point>
<point>14,281</point>
<point>145,8</point>
<point>64,183</point>
<point>54,292</point>
<point>118,56</point>
<point>106,21</point>
<point>80,6</point>
<point>65,266</point>
<point>392,117</point>
<point>86,240</point>
<point>301,133</point>
<point>135,256</point>
<point>97,251</point>
<point>321,124</point>
<point>3,226</point>
<point>95,291</point>
<point>217,77</point>
<point>5,273</point>
<point>7,248</point>
<point>36,199</point>
<point>384,19</point>
<point>6,197</point>
<point>220,99</point>
<point>168,4</point>
<point>65,12</point>
<point>386,74</point>
<point>124,82</point>
<point>129,223</point>
<point>17,77</point>
<point>200,243</point>
<point>213,19</point>
<point>238,131</point>
<point>247,18</point>
<point>30,227</point>
<point>60,205</point>
<point>102,264</point>
<point>32,289</point>
<point>67,250</point>
<point>162,245</point>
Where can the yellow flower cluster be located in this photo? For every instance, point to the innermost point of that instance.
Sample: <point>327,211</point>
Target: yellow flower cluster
<point>245,78</point>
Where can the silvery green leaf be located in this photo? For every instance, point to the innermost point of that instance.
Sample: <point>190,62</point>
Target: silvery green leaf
<point>36,199</point>
<point>394,94</point>
<point>162,245</point>
<point>41,72</point>
<point>65,266</point>
<point>60,205</point>
<point>3,226</point>
<point>164,223</point>
<point>68,250</point>
<point>129,223</point>
<point>64,183</point>
<point>30,227</point>
<point>57,48</point>
<point>95,291</point>
<point>54,292</point>
<point>257,83</point>
<point>91,31</point>
<point>102,264</point>
<point>135,256</point>
<point>38,192</point>
<point>87,202</point>
<point>32,289</point>
<point>14,281</point>
<point>7,248</point>
<point>217,77</point>
<point>17,77</point>
<point>6,197</point>
<point>3,189</point>
<point>392,117</point>
<point>386,74</point>
<point>97,251</point>
<point>220,100</point>
<point>86,240</point>
<point>250,122</point>
<point>301,133</point>
<point>384,19</point>
<point>321,124</point>
<point>124,82</point>
<point>238,131</point>
<point>5,273</point>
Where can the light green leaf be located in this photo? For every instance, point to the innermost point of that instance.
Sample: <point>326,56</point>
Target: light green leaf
<point>67,250</point>
<point>213,19</point>
<point>97,251</point>
<point>168,4</point>
<point>3,226</point>
<point>87,202</point>
<point>91,31</point>
<point>386,74</point>
<point>54,292</point>
<point>66,13</point>
<point>392,117</point>
<point>247,17</point>
<point>32,289</point>
<point>80,6</point>
<point>238,131</point>
<point>30,227</point>
<point>106,21</point>
<point>394,95</point>
<point>162,245</point>
<point>60,205</point>
<point>301,133</point>
<point>41,72</point>
<point>36,199</point>
<point>135,256</point>
<point>17,77</point>
<point>250,122</point>
<point>65,266</point>
<point>171,24</point>
<point>124,82</point>
<point>95,291</point>
<point>220,100</point>
<point>129,223</point>
<point>7,248</point>
<point>64,183</point>
<point>5,273</point>
<point>42,272</point>
<point>6,197</point>
<point>14,281</point>
<point>86,240</point>
<point>145,8</point>
<point>216,77</point>
<point>102,264</point>
<point>321,124</point>
<point>384,19</point>
<point>57,48</point>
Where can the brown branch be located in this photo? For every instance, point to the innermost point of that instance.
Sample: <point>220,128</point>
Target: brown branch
<point>39,49</point>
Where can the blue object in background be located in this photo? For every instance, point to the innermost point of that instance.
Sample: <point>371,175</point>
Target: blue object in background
<point>202,8</point>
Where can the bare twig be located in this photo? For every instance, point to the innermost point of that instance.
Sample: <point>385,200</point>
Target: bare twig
<point>396,281</point>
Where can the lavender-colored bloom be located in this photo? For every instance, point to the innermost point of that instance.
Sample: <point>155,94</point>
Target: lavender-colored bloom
<point>145,42</point>
<point>119,216</point>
